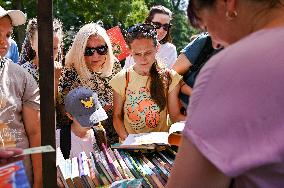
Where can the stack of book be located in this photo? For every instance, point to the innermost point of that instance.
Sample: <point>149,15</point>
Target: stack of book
<point>109,166</point>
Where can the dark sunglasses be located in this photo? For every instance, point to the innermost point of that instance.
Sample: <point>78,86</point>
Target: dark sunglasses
<point>101,50</point>
<point>158,25</point>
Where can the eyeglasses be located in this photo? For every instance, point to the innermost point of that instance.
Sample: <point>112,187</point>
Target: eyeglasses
<point>101,50</point>
<point>158,25</point>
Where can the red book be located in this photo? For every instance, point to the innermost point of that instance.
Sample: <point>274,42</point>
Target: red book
<point>119,45</point>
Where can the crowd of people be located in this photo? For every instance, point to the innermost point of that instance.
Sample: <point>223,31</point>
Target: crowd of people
<point>226,84</point>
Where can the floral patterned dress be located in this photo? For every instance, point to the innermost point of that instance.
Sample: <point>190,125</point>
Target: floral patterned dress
<point>70,79</point>
<point>32,69</point>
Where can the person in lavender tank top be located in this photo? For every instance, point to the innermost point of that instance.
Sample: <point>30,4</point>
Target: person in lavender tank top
<point>234,131</point>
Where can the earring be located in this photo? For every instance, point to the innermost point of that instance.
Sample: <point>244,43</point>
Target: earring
<point>230,15</point>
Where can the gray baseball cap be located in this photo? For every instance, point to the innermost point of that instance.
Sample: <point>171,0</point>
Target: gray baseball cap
<point>83,104</point>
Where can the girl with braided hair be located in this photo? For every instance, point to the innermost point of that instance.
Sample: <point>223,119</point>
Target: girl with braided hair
<point>146,92</point>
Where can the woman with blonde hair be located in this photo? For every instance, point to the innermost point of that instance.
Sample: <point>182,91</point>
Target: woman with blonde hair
<point>90,63</point>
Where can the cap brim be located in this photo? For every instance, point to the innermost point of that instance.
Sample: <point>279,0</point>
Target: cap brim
<point>17,17</point>
<point>90,120</point>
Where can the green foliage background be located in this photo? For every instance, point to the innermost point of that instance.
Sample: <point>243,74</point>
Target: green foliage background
<point>75,13</point>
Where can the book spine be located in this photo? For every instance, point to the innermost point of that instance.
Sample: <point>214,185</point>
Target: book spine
<point>93,172</point>
<point>146,173</point>
<point>171,152</point>
<point>161,172</point>
<point>154,169</point>
<point>104,162</point>
<point>130,166</point>
<point>116,164</point>
<point>75,168</point>
<point>80,165</point>
<point>61,177</point>
<point>111,165</point>
<point>68,168</point>
<point>90,182</point>
<point>85,181</point>
<point>83,164</point>
<point>104,176</point>
<point>164,172</point>
<point>78,182</point>
<point>124,167</point>
<point>146,182</point>
<point>166,159</point>
<point>151,173</point>
<point>162,163</point>
<point>70,183</point>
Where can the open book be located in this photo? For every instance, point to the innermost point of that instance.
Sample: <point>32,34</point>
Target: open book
<point>153,139</point>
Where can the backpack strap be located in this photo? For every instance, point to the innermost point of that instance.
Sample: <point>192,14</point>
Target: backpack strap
<point>65,141</point>
<point>127,78</point>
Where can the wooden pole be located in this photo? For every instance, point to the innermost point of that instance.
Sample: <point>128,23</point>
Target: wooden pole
<point>46,74</point>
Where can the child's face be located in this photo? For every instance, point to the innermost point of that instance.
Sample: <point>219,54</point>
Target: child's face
<point>5,32</point>
<point>143,52</point>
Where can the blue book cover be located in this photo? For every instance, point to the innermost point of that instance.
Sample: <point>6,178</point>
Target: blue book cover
<point>14,175</point>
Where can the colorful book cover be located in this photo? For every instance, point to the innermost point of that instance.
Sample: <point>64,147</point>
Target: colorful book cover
<point>14,176</point>
<point>104,176</point>
<point>110,163</point>
<point>119,45</point>
<point>150,173</point>
<point>129,165</point>
<point>116,164</point>
<point>124,167</point>
<point>154,169</point>
<point>94,175</point>
<point>105,164</point>
<point>83,164</point>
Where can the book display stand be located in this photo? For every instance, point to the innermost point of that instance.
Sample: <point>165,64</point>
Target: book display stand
<point>113,167</point>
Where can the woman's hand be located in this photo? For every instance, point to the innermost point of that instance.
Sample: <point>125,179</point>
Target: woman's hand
<point>7,155</point>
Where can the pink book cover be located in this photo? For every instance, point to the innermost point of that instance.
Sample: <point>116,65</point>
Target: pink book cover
<point>119,45</point>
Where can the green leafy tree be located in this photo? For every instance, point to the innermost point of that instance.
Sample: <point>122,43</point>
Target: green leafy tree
<point>75,13</point>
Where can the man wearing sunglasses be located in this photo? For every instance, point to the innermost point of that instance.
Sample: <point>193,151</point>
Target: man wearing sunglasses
<point>160,17</point>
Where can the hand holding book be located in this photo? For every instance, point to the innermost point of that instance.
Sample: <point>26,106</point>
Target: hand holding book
<point>7,155</point>
<point>153,139</point>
